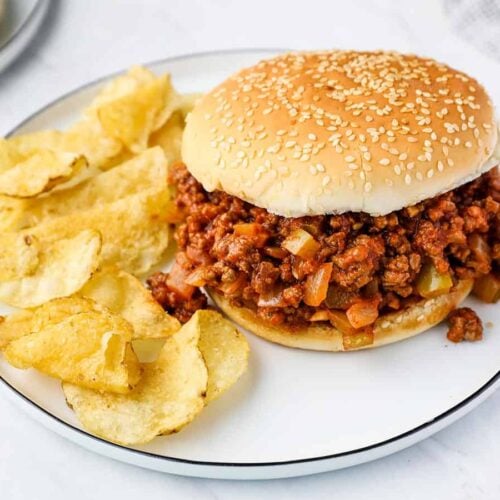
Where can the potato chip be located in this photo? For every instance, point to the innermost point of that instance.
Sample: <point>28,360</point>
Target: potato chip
<point>148,350</point>
<point>169,137</point>
<point>9,156</point>
<point>12,211</point>
<point>125,295</point>
<point>224,349</point>
<point>122,85</point>
<point>123,156</point>
<point>168,396</point>
<point>64,267</point>
<point>87,137</point>
<point>40,172</point>
<point>56,310</point>
<point>19,255</point>
<point>145,171</point>
<point>27,321</point>
<point>134,232</point>
<point>91,349</point>
<point>15,326</point>
<point>27,144</point>
<point>132,117</point>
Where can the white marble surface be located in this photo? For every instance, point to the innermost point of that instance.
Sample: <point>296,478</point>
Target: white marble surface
<point>83,40</point>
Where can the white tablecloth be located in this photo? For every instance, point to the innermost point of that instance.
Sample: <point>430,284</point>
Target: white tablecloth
<point>83,40</point>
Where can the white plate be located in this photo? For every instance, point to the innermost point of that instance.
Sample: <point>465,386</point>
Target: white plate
<point>294,412</point>
<point>19,23</point>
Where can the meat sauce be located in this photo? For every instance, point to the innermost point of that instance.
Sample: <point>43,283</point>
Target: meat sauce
<point>353,264</point>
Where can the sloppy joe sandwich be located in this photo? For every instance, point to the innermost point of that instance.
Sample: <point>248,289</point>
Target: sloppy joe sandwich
<point>337,200</point>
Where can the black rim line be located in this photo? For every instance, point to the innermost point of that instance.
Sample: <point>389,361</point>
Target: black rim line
<point>155,456</point>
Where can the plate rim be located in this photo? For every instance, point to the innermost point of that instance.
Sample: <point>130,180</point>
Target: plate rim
<point>240,465</point>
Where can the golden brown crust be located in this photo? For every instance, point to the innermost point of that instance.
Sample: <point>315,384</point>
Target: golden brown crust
<point>388,329</point>
<point>335,131</point>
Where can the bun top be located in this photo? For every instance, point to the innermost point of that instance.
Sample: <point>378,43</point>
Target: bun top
<point>328,132</point>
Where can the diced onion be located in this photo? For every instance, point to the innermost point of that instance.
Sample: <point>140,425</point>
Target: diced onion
<point>431,283</point>
<point>301,243</point>
<point>176,281</point>
<point>320,315</point>
<point>273,298</point>
<point>487,288</point>
<point>316,286</point>
<point>275,252</point>
<point>363,313</point>
<point>254,231</point>
<point>231,287</point>
<point>339,320</point>
<point>197,277</point>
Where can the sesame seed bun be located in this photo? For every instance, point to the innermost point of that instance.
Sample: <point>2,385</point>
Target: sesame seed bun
<point>335,131</point>
<point>320,337</point>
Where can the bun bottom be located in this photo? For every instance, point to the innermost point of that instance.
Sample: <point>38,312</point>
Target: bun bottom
<point>320,337</point>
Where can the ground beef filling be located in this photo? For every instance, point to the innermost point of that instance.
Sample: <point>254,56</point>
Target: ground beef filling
<point>346,269</point>
<point>464,324</point>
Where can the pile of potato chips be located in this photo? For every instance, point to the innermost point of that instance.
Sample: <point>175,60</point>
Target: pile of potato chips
<point>82,213</point>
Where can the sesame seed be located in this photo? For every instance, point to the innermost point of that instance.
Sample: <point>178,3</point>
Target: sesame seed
<point>407,179</point>
<point>385,161</point>
<point>350,159</point>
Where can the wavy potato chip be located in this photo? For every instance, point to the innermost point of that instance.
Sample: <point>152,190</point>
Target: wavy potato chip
<point>145,171</point>
<point>27,144</point>
<point>168,396</point>
<point>65,265</point>
<point>88,138</point>
<point>133,229</point>
<point>224,349</point>
<point>133,117</point>
<point>9,156</point>
<point>91,349</point>
<point>40,172</point>
<point>122,85</point>
<point>169,137</point>
<point>19,255</point>
<point>27,321</point>
<point>15,326</point>
<point>125,295</point>
<point>12,211</point>
<point>56,310</point>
